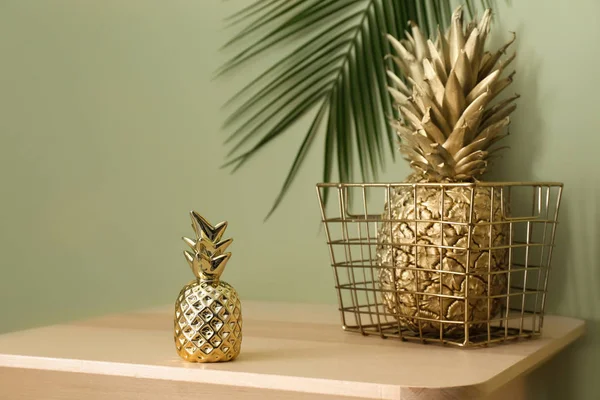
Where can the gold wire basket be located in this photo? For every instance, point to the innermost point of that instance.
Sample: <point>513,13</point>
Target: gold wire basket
<point>356,214</point>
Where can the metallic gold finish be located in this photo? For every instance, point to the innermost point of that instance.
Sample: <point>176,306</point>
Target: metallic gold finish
<point>448,121</point>
<point>460,267</point>
<point>208,311</point>
<point>445,240</point>
<point>447,128</point>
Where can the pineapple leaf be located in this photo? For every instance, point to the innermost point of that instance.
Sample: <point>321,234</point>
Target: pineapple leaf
<point>211,248</point>
<point>189,257</point>
<point>336,73</point>
<point>213,266</point>
<point>205,229</point>
<point>190,242</point>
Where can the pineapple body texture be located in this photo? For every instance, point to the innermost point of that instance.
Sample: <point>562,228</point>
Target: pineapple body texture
<point>440,271</point>
<point>450,120</point>
<point>208,322</point>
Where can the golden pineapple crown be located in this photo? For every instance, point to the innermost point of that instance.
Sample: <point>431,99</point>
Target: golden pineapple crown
<point>207,258</point>
<point>448,123</point>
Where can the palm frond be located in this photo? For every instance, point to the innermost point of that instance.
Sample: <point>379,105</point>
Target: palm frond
<point>338,69</point>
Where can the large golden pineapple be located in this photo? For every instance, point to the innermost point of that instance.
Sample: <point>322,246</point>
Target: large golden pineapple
<point>447,127</point>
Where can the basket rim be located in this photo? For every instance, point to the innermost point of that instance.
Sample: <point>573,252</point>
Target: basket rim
<point>438,184</point>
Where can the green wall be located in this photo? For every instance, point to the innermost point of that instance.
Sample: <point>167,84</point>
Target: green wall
<point>110,133</point>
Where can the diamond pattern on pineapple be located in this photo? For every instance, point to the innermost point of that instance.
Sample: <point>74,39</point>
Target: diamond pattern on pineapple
<point>206,314</point>
<point>208,322</point>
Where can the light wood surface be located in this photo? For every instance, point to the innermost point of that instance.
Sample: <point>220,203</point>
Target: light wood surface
<point>289,351</point>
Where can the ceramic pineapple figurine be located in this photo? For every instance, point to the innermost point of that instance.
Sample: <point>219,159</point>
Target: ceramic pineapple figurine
<point>208,312</point>
<point>447,127</point>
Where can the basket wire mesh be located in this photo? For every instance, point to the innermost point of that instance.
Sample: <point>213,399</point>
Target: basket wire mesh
<point>355,217</point>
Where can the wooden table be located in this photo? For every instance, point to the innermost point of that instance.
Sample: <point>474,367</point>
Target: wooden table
<point>289,351</point>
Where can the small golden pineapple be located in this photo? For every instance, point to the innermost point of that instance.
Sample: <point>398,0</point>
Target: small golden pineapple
<point>208,312</point>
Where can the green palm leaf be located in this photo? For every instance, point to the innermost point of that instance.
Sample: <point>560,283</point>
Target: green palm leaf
<point>337,69</point>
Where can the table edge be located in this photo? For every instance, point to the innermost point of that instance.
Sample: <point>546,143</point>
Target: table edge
<point>281,382</point>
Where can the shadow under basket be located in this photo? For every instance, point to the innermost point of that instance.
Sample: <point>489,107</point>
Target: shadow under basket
<point>462,264</point>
